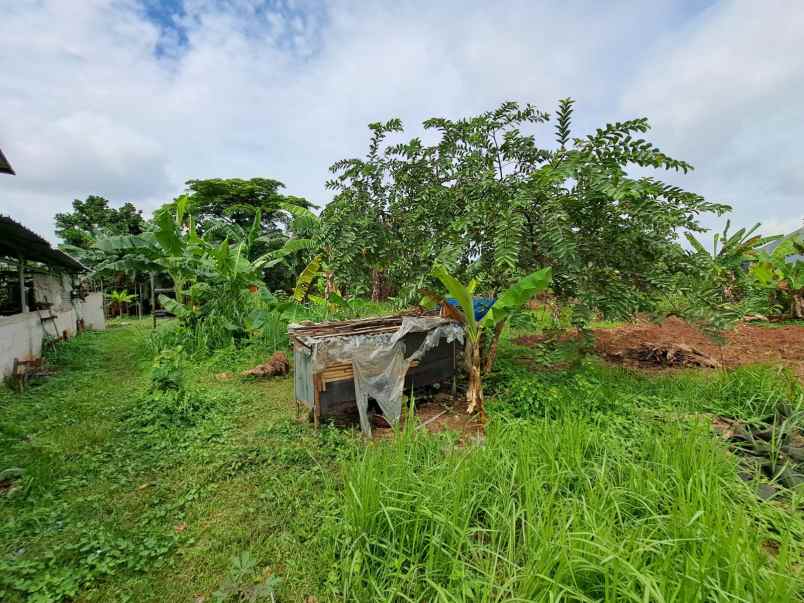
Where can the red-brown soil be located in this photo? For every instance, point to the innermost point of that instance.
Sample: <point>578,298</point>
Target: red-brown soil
<point>277,365</point>
<point>745,344</point>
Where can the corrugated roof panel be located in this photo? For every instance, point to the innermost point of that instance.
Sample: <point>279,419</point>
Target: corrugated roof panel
<point>16,240</point>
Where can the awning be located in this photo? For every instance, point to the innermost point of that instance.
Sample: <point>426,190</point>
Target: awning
<point>16,241</point>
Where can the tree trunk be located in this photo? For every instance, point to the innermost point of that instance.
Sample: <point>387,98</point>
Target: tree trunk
<point>797,305</point>
<point>474,393</point>
<point>376,284</point>
<point>329,284</point>
<point>491,355</point>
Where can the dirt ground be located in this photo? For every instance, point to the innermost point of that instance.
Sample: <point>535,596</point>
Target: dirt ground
<point>747,343</point>
<point>438,413</point>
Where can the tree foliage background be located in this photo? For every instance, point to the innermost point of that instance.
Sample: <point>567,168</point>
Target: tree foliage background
<point>493,198</point>
<point>490,197</point>
<point>93,218</point>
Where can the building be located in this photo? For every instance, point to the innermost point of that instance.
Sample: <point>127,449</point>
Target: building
<point>41,297</point>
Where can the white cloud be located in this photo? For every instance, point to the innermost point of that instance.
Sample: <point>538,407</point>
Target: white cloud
<point>726,93</point>
<point>98,99</point>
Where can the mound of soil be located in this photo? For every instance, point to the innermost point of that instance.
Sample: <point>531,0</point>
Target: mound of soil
<point>676,343</point>
<point>747,343</point>
<point>277,365</point>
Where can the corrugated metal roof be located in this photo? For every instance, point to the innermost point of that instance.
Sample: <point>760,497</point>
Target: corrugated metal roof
<point>16,240</point>
<point>5,166</point>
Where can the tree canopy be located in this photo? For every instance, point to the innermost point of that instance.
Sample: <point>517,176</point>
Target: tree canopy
<point>492,200</point>
<point>94,217</point>
<point>237,201</point>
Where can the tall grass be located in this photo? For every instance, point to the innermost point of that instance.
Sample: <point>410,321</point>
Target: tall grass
<point>561,510</point>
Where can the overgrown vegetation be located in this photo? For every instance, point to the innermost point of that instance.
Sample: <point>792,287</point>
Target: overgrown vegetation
<point>145,469</point>
<point>592,483</point>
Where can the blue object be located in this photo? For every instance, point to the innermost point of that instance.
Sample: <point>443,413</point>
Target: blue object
<point>480,305</point>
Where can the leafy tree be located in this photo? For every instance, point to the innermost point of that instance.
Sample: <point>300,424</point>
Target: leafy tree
<point>490,202</point>
<point>218,202</point>
<point>94,217</point>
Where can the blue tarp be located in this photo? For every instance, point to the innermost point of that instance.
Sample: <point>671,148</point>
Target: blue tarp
<point>480,305</point>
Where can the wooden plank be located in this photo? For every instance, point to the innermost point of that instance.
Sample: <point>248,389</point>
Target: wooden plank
<point>317,402</point>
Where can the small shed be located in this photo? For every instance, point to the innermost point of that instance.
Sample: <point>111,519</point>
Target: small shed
<point>353,361</point>
<point>40,298</point>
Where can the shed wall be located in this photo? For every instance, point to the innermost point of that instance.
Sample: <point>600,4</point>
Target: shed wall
<point>21,334</point>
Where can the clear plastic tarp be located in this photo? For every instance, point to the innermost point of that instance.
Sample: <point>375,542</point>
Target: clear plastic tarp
<point>380,361</point>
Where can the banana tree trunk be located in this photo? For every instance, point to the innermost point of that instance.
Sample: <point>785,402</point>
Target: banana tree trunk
<point>474,393</point>
<point>329,283</point>
<point>797,305</point>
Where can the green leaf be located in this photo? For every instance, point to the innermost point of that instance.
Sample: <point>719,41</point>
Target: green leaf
<point>464,297</point>
<point>306,279</point>
<point>516,296</point>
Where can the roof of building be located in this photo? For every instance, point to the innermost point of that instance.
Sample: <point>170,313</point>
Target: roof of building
<point>5,166</point>
<point>16,241</point>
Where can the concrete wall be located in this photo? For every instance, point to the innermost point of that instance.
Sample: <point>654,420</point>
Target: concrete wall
<point>21,334</point>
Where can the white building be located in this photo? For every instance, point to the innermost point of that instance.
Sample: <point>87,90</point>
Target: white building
<point>40,296</point>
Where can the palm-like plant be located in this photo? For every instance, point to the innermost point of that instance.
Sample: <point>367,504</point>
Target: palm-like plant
<point>494,321</point>
<point>305,229</point>
<point>783,276</point>
<point>119,298</point>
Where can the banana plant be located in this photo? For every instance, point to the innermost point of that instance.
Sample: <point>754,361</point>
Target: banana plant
<point>508,302</point>
<point>305,228</point>
<point>723,268</point>
<point>731,251</point>
<point>119,298</point>
<point>782,274</point>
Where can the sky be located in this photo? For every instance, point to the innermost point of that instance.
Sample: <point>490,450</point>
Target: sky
<point>129,99</point>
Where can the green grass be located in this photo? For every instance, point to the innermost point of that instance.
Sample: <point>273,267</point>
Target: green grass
<point>100,510</point>
<point>592,483</point>
<point>556,510</point>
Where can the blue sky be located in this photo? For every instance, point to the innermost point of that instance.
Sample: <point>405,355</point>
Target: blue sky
<point>130,98</point>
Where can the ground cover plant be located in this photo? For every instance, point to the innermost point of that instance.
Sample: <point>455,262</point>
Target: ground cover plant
<point>135,472</point>
<point>593,483</point>
<point>154,480</point>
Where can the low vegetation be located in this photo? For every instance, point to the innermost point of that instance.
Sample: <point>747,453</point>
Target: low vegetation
<point>156,480</point>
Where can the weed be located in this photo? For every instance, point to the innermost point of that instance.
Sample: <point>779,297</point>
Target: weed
<point>243,582</point>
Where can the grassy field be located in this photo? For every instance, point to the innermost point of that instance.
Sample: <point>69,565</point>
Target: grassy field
<point>592,484</point>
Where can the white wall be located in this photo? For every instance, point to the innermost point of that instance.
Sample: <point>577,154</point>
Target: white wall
<point>21,334</point>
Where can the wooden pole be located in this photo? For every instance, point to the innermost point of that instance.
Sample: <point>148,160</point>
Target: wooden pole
<point>23,300</point>
<point>153,300</point>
